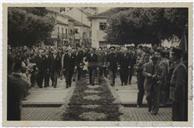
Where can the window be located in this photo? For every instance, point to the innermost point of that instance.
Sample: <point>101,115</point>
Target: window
<point>66,32</point>
<point>102,26</point>
<point>62,29</point>
<point>62,32</point>
<point>76,31</point>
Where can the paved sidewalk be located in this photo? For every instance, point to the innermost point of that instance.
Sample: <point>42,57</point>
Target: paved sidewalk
<point>47,103</point>
<point>48,96</point>
<point>126,95</point>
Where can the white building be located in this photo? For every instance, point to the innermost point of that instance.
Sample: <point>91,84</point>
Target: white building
<point>82,25</point>
<point>60,32</point>
<point>99,25</point>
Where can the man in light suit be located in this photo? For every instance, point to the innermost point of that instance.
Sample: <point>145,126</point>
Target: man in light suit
<point>152,81</point>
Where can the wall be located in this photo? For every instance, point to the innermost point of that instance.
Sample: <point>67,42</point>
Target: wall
<point>59,31</point>
<point>97,34</point>
<point>78,15</point>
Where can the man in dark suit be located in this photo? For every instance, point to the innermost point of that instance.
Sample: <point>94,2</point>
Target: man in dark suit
<point>92,59</point>
<point>55,67</point>
<point>79,63</point>
<point>40,66</point>
<point>179,88</point>
<point>132,63</point>
<point>46,69</point>
<point>69,66</point>
<point>100,54</point>
<point>112,65</point>
<point>124,63</point>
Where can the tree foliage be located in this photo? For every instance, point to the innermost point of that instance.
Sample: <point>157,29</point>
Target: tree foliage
<point>146,25</point>
<point>28,26</point>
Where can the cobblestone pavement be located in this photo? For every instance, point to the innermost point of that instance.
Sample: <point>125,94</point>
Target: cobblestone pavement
<point>42,113</point>
<point>128,114</point>
<point>142,114</point>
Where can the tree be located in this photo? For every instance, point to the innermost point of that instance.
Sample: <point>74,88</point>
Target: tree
<point>28,26</point>
<point>146,25</point>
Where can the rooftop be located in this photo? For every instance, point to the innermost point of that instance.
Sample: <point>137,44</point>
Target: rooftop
<point>105,14</point>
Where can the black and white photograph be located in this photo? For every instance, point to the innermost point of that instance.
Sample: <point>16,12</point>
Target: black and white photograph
<point>98,63</point>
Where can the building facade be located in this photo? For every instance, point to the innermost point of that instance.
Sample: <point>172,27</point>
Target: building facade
<point>98,32</point>
<point>72,27</point>
<point>99,26</point>
<point>60,33</point>
<point>82,25</point>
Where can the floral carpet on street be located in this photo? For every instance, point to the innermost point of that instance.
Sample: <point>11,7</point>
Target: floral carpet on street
<point>92,103</point>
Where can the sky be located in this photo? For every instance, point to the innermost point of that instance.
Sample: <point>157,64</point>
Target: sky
<point>101,9</point>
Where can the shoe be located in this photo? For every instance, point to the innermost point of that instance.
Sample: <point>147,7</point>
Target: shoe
<point>149,110</point>
<point>153,113</point>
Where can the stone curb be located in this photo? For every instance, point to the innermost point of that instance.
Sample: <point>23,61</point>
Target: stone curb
<point>113,92</point>
<point>67,99</point>
<point>53,104</point>
<point>118,101</point>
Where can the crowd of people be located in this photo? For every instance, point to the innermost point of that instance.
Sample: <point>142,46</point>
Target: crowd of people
<point>161,72</point>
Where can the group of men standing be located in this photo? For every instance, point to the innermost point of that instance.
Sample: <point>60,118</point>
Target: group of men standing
<point>160,77</point>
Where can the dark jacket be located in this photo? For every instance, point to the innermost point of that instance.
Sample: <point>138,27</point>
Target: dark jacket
<point>124,61</point>
<point>55,63</point>
<point>16,89</point>
<point>79,58</point>
<point>112,60</point>
<point>69,62</point>
<point>92,59</point>
<point>180,100</point>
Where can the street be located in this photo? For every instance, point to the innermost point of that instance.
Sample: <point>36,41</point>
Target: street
<point>100,102</point>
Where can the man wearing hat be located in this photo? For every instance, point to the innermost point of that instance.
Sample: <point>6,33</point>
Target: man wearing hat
<point>152,72</point>
<point>112,65</point>
<point>179,87</point>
